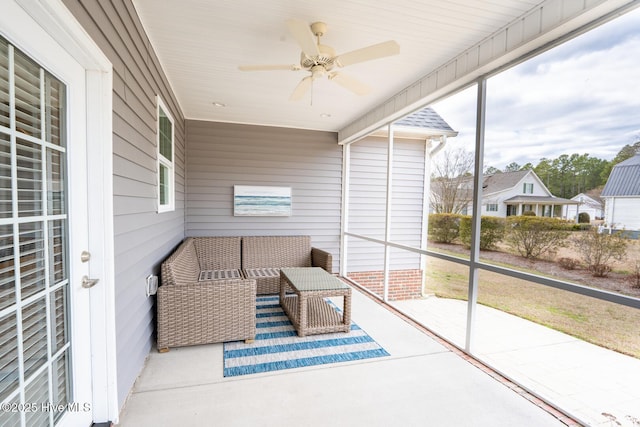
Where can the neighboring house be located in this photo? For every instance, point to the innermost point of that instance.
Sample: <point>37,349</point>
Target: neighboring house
<point>621,194</point>
<point>592,205</point>
<point>512,193</point>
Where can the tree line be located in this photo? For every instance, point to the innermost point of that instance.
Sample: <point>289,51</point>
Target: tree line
<point>571,174</point>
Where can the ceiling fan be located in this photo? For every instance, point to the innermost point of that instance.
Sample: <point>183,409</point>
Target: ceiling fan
<point>320,60</point>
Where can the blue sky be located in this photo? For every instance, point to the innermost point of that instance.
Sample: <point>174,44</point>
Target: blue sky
<point>580,97</point>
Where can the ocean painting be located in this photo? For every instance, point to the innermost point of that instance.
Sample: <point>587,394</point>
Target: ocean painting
<point>250,200</point>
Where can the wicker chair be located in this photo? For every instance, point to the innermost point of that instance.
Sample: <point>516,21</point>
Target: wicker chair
<point>263,256</point>
<point>192,312</point>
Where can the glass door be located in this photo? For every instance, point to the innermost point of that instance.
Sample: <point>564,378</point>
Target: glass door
<point>36,357</point>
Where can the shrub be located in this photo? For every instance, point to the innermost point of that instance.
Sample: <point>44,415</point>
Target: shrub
<point>600,250</point>
<point>583,218</point>
<point>580,227</point>
<point>528,213</point>
<point>533,237</point>
<point>635,275</point>
<point>568,263</point>
<point>491,231</point>
<point>444,228</point>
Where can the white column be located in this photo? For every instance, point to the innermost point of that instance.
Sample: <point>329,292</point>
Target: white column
<point>387,221</point>
<point>474,272</point>
<point>344,217</point>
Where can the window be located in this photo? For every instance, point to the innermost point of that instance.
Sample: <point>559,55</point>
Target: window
<point>492,207</point>
<point>527,188</point>
<point>166,191</point>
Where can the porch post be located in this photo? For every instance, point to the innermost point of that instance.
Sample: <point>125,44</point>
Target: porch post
<point>344,217</point>
<point>387,217</point>
<point>426,193</point>
<point>474,255</point>
<point>424,232</point>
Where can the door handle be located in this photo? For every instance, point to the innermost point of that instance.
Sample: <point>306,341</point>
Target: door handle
<point>89,283</point>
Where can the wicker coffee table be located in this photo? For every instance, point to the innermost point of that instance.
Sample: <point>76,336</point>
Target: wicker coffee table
<point>306,308</point>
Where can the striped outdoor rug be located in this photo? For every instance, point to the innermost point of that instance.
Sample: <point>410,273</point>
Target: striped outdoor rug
<point>277,346</point>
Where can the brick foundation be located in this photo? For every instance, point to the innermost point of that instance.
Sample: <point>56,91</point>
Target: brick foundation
<point>403,284</point>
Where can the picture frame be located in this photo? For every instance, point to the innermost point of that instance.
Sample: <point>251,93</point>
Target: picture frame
<point>259,200</point>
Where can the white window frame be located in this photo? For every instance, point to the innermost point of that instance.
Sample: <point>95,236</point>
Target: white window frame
<point>492,207</point>
<point>163,161</point>
<point>527,188</point>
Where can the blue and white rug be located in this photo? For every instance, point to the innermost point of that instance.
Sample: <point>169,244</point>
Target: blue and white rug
<point>277,345</point>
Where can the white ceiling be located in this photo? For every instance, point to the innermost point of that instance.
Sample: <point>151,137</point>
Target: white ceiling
<point>200,44</point>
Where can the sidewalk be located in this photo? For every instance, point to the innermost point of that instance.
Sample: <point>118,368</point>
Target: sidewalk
<point>582,379</point>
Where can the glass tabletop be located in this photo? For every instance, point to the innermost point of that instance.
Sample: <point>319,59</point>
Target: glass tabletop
<point>312,279</point>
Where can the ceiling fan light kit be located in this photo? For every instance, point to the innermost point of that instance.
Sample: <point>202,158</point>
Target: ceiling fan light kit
<point>319,60</point>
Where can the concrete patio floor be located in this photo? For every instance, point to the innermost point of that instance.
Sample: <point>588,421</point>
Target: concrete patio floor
<point>583,379</point>
<point>422,383</point>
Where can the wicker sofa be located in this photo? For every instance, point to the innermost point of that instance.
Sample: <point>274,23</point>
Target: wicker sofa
<point>209,285</point>
<point>192,312</point>
<point>263,256</point>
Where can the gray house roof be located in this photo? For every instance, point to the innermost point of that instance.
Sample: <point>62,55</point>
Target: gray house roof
<point>427,118</point>
<point>502,181</point>
<point>624,179</point>
<point>496,182</point>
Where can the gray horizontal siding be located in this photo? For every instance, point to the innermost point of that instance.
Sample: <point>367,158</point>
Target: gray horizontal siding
<point>221,155</point>
<point>367,202</point>
<point>143,238</point>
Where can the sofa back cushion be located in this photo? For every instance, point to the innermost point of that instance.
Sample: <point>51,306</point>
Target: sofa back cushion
<point>218,253</point>
<point>276,251</point>
<point>182,266</point>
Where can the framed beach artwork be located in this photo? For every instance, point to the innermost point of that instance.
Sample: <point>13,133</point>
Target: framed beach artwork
<point>256,200</point>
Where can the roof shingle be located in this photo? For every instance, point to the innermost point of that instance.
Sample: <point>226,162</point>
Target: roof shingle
<point>426,118</point>
<point>502,181</point>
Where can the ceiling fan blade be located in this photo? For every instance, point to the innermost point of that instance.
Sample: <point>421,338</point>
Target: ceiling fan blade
<point>368,53</point>
<point>291,67</point>
<point>301,89</point>
<point>350,83</point>
<point>301,31</point>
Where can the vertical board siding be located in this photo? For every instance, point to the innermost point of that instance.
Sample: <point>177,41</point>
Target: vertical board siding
<point>367,205</point>
<point>143,238</point>
<point>623,213</point>
<point>221,155</point>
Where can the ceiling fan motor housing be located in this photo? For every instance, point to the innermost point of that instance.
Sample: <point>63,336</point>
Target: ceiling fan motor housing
<point>319,59</point>
<point>326,58</point>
